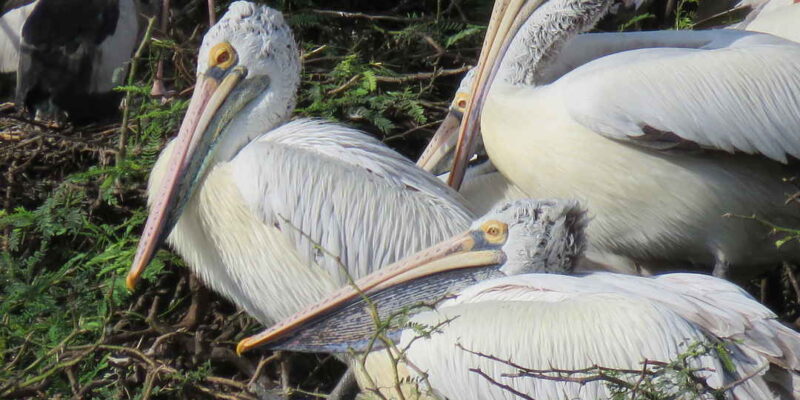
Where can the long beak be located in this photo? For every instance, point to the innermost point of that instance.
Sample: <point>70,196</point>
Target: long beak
<point>438,155</point>
<point>507,17</point>
<point>458,253</point>
<point>191,149</point>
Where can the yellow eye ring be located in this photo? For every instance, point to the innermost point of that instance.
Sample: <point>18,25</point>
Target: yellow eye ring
<point>460,102</point>
<point>494,231</point>
<point>222,55</point>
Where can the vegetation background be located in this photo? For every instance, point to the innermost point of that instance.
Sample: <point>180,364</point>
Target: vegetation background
<point>73,203</point>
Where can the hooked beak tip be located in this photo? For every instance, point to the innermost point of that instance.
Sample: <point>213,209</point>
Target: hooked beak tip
<point>131,281</point>
<point>243,346</point>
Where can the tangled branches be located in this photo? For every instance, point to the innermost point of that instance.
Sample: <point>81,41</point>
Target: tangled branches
<point>655,380</point>
<point>138,352</point>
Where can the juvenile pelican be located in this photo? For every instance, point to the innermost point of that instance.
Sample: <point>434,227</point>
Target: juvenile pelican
<point>658,133</point>
<point>264,211</point>
<point>548,321</point>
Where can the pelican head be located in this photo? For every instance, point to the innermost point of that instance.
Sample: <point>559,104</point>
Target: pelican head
<point>508,16</point>
<point>518,237</point>
<point>438,155</point>
<point>247,75</point>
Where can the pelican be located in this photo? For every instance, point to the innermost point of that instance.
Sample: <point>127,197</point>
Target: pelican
<point>776,17</point>
<point>495,303</point>
<point>271,214</point>
<point>67,56</point>
<point>658,133</point>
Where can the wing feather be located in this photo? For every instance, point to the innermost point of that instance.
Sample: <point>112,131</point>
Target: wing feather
<point>551,321</point>
<point>328,185</point>
<point>742,97</point>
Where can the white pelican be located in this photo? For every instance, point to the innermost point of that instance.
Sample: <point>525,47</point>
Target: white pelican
<point>67,56</point>
<point>658,133</point>
<point>248,197</point>
<point>776,17</point>
<point>548,321</point>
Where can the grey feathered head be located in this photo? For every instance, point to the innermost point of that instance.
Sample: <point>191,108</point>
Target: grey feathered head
<point>543,235</point>
<point>259,34</point>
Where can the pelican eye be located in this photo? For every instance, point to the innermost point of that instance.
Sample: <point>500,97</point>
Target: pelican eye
<point>494,231</point>
<point>460,102</point>
<point>222,55</point>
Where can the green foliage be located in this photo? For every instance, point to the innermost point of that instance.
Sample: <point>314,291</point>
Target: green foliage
<point>684,18</point>
<point>352,93</point>
<point>677,379</point>
<point>368,80</point>
<point>65,255</point>
<point>69,237</point>
<point>782,235</point>
<point>62,272</point>
<point>636,20</point>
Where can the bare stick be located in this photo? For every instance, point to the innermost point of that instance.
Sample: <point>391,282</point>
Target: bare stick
<point>123,130</point>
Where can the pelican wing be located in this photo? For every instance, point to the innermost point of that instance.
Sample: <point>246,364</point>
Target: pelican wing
<point>546,322</point>
<point>723,309</point>
<point>344,199</point>
<point>738,93</point>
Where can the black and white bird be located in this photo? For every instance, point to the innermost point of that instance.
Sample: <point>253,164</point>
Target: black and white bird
<point>68,55</point>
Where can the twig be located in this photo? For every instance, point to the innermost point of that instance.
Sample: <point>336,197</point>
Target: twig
<point>305,56</point>
<point>44,376</point>
<point>418,76</point>
<point>123,130</point>
<point>792,280</point>
<point>500,385</point>
<point>7,202</point>
<point>412,130</point>
<point>359,15</point>
<point>743,379</point>
<point>352,81</point>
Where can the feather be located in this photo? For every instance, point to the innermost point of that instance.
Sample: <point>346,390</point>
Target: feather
<point>546,321</point>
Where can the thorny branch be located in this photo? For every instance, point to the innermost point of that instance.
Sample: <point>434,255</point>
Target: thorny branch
<point>631,381</point>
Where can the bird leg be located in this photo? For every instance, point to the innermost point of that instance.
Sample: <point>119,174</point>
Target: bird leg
<point>285,367</point>
<point>721,266</point>
<point>790,274</point>
<point>346,388</point>
<point>199,304</point>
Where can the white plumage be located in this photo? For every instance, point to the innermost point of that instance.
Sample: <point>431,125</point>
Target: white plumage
<point>356,198</point>
<point>656,198</point>
<point>626,96</point>
<point>534,318</point>
<point>349,193</point>
<point>776,17</point>
<point>658,133</point>
<point>546,322</point>
<point>484,187</point>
